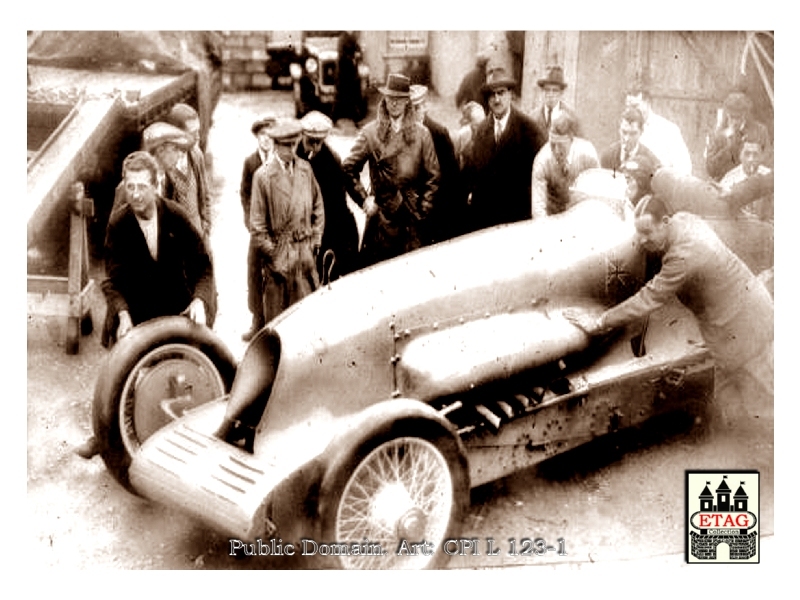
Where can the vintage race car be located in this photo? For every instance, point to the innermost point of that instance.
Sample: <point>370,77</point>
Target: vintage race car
<point>364,414</point>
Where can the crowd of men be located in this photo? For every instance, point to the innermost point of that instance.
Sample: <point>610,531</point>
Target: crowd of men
<point>426,185</point>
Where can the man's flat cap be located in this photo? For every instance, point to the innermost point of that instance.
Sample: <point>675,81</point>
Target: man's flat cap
<point>159,133</point>
<point>315,124</point>
<point>263,121</point>
<point>286,130</point>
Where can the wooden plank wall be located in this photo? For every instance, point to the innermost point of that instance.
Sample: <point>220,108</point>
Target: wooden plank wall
<point>690,73</point>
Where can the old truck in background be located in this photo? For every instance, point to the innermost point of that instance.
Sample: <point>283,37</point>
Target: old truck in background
<point>324,69</point>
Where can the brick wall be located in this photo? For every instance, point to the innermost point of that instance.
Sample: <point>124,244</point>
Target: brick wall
<point>741,547</point>
<point>244,60</point>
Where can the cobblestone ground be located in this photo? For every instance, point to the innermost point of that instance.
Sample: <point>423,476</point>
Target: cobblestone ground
<point>612,503</point>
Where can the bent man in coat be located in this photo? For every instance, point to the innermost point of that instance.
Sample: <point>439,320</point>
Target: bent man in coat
<point>733,308</point>
<point>287,218</point>
<point>557,166</point>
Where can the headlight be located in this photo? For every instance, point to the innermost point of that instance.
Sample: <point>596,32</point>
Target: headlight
<point>311,65</point>
<point>296,71</point>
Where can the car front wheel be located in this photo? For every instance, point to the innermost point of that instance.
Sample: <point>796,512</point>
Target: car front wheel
<point>157,372</point>
<point>400,497</point>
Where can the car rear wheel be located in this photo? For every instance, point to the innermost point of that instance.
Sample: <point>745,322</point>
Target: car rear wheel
<point>404,493</point>
<point>152,376</point>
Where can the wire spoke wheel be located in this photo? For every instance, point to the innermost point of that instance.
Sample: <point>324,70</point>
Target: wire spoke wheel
<point>164,384</point>
<point>401,491</point>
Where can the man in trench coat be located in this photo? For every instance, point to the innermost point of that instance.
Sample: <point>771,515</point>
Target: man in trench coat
<point>287,218</point>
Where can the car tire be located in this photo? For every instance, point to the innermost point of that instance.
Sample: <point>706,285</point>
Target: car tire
<point>156,360</point>
<point>388,467</point>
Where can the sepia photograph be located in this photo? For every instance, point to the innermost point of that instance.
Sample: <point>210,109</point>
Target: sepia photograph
<point>452,299</point>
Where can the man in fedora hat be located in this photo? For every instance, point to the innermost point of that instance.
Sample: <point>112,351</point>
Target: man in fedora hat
<point>497,173</point>
<point>403,170</point>
<point>553,86</point>
<point>341,233</point>
<point>263,153</point>
<point>441,224</point>
<point>287,218</point>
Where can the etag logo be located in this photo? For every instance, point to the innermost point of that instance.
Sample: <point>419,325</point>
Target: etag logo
<point>722,516</point>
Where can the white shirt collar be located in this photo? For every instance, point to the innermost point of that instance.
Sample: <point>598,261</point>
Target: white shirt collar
<point>183,163</point>
<point>501,123</point>
<point>265,156</point>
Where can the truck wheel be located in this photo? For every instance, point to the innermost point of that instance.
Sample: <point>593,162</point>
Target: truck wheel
<point>403,486</point>
<point>152,376</point>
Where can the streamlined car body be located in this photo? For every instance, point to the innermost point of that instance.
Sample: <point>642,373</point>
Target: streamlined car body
<point>368,410</point>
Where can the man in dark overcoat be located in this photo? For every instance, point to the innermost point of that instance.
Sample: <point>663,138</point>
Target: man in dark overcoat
<point>340,234</point>
<point>497,173</point>
<point>448,207</point>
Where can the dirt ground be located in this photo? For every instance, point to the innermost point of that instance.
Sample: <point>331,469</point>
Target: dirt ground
<point>613,502</point>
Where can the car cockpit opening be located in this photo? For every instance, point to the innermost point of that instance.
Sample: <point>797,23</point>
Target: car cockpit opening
<point>251,389</point>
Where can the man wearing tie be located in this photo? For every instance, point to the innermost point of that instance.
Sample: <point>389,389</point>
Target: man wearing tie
<point>497,173</point>
<point>287,218</point>
<point>553,87</point>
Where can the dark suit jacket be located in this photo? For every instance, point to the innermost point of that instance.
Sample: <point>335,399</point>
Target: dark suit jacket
<point>149,288</point>
<point>499,175</point>
<point>538,117</point>
<point>448,207</point>
<point>340,233</point>
<point>722,153</point>
<point>251,164</point>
